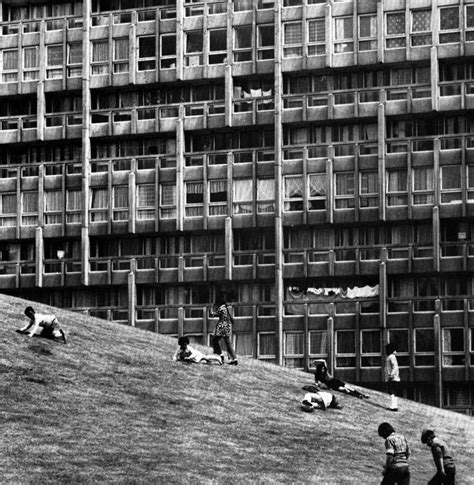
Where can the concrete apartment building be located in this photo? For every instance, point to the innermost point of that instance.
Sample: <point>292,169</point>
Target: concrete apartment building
<point>314,159</point>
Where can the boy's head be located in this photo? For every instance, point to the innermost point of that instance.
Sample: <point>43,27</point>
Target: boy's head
<point>427,436</point>
<point>321,367</point>
<point>183,342</point>
<point>390,348</point>
<point>385,430</point>
<point>29,312</point>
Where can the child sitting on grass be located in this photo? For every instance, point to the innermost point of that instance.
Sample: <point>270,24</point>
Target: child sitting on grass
<point>43,325</point>
<point>186,353</point>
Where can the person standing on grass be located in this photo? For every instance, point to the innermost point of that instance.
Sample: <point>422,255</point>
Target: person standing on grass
<point>396,470</point>
<point>392,376</point>
<point>446,471</point>
<point>223,329</point>
<point>45,325</point>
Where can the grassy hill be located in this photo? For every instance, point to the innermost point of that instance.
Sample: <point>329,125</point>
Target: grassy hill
<point>111,406</point>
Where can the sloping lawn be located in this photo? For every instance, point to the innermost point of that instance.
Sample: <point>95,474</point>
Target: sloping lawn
<point>112,407</point>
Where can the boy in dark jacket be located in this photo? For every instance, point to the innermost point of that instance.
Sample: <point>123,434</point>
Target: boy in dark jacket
<point>446,471</point>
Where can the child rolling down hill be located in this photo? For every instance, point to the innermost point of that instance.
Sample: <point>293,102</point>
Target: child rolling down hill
<point>187,353</point>
<point>320,400</point>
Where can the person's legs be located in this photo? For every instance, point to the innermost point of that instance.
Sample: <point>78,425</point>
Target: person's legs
<point>216,347</point>
<point>450,476</point>
<point>436,480</point>
<point>230,349</point>
<point>404,476</point>
<point>389,478</point>
<point>213,358</point>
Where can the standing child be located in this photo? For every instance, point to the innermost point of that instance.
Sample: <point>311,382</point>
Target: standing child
<point>396,469</point>
<point>223,330</point>
<point>45,325</point>
<point>446,471</point>
<point>392,376</point>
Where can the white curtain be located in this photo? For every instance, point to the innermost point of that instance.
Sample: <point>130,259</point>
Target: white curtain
<point>243,196</point>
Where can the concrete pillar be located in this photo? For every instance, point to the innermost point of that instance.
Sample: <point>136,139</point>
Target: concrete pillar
<point>279,290</point>
<point>132,293</point>
<point>86,107</point>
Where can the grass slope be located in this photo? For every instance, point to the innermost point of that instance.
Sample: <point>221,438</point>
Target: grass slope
<point>111,406</point>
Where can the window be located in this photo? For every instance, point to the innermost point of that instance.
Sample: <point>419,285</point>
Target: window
<point>293,39</point>
<point>120,203</point>
<point>30,64</point>
<point>217,46</point>
<point>294,189</point>
<point>7,210</point>
<point>266,345</point>
<point>345,348</point>
<point>29,208</point>
<point>100,57</point>
<point>242,5</point>
<point>470,183</point>
<point>420,27</point>
<point>451,184</point>
<point>266,36</point>
<point>146,202</point>
<point>242,43</point>
<point>371,351</point>
<point>73,206</point>
<point>469,23</point>
<point>147,53</point>
<point>265,196</point>
<point>423,186</point>
<point>318,344</point>
<point>453,346</point>
<point>74,59</point>
<point>294,349</point>
<point>53,204</point>
<point>369,189</point>
<point>242,200</point>
<point>317,191</point>
<point>344,190</point>
<point>99,205</point>
<point>217,197</point>
<point>397,187</point>
<point>399,338</point>
<point>121,55</point>
<point>194,46</point>
<point>54,61</point>
<point>10,66</point>
<point>424,347</point>
<point>167,201</point>
<point>316,37</point>
<point>194,199</point>
<point>343,35</point>
<point>168,51</point>
<point>395,30</point>
<point>367,32</point>
<point>243,343</point>
<point>449,25</point>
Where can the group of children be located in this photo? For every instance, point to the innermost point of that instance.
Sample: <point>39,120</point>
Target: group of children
<point>396,469</point>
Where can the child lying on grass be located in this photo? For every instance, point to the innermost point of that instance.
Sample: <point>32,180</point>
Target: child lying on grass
<point>186,353</point>
<point>319,400</point>
<point>43,325</point>
<point>322,376</point>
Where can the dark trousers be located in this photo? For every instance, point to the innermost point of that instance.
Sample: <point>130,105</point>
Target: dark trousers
<point>449,480</point>
<point>216,346</point>
<point>398,476</point>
